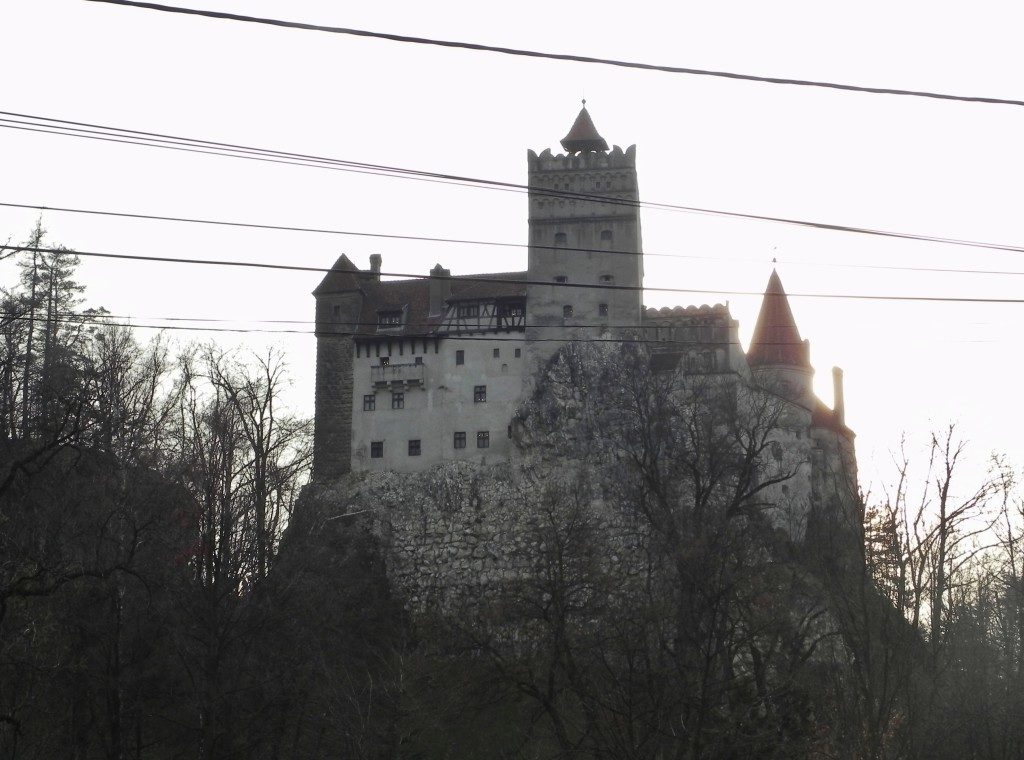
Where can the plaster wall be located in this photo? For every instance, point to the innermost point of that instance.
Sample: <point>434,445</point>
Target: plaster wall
<point>443,405</point>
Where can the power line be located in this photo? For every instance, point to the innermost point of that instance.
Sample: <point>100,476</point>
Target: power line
<point>137,137</point>
<point>493,243</point>
<point>511,280</point>
<point>100,319</point>
<point>558,56</point>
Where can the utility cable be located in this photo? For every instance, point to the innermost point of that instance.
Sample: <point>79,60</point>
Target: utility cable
<point>556,56</point>
<point>297,159</point>
<point>507,281</point>
<point>493,243</point>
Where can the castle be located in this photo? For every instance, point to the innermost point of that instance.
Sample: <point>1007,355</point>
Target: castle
<point>414,373</point>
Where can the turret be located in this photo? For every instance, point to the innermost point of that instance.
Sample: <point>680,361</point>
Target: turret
<point>339,302</point>
<point>779,358</point>
<point>584,230</point>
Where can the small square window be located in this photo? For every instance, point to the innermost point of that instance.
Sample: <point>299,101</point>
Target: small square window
<point>398,401</point>
<point>606,234</point>
<point>369,402</point>
<point>607,279</point>
<point>602,310</point>
<point>376,449</point>
<point>567,311</point>
<point>497,353</point>
<point>385,361</point>
<point>519,352</point>
<point>419,360</point>
<point>414,448</point>
<point>460,357</point>
<point>483,439</point>
<point>561,278</point>
<point>560,238</point>
<point>479,393</point>
<point>460,440</point>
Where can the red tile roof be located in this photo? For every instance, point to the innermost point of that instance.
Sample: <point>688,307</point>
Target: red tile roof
<point>583,135</point>
<point>776,337</point>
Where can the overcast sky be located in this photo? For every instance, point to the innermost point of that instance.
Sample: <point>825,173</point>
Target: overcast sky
<point>906,164</point>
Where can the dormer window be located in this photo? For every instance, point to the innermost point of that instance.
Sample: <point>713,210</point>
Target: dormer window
<point>561,278</point>
<point>468,310</point>
<point>389,318</point>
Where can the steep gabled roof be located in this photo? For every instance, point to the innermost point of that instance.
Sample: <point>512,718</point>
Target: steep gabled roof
<point>344,275</point>
<point>776,337</point>
<point>583,136</point>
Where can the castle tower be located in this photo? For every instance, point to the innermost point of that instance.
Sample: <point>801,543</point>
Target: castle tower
<point>584,229</point>
<point>778,357</point>
<point>339,302</point>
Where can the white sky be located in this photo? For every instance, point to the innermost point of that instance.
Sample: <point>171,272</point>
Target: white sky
<point>907,164</point>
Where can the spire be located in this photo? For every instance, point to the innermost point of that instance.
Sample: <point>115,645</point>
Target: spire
<point>583,136</point>
<point>776,338</point>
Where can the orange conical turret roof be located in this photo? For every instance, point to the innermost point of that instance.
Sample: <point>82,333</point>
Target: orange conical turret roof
<point>583,136</point>
<point>776,337</point>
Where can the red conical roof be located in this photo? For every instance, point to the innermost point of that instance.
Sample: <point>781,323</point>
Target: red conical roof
<point>583,136</point>
<point>776,338</point>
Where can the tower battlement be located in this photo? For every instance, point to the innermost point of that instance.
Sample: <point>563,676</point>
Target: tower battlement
<point>616,158</point>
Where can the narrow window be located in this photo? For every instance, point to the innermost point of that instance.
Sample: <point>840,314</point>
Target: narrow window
<point>337,311</point>
<point>602,310</point>
<point>560,238</point>
<point>606,234</point>
<point>460,440</point>
<point>369,402</point>
<point>479,393</point>
<point>376,449</point>
<point>567,311</point>
<point>414,448</point>
<point>460,357</point>
<point>519,352</point>
<point>483,439</point>
<point>398,401</point>
<point>497,353</point>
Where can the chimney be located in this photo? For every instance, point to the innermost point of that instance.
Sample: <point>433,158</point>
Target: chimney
<point>375,262</point>
<point>838,404</point>
<point>439,289</point>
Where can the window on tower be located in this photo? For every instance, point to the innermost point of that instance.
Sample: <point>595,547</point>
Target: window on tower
<point>560,238</point>
<point>561,278</point>
<point>567,311</point>
<point>606,279</point>
<point>602,310</point>
<point>606,234</point>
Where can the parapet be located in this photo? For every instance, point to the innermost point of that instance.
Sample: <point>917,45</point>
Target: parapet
<point>616,158</point>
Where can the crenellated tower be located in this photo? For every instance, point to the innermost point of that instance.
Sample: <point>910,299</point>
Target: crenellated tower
<point>584,229</point>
